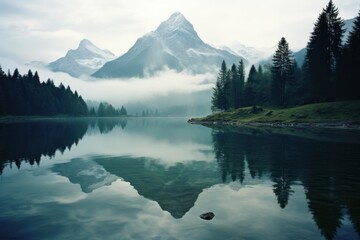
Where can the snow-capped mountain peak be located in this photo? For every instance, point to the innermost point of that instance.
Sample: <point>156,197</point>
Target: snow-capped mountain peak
<point>85,42</point>
<point>252,54</point>
<point>84,60</point>
<point>173,45</point>
<point>176,22</point>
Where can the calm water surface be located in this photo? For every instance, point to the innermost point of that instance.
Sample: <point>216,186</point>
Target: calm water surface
<point>152,178</point>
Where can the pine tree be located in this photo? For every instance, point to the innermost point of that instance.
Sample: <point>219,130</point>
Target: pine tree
<point>123,111</point>
<point>348,79</point>
<point>249,92</point>
<point>323,53</point>
<point>260,71</point>
<point>219,98</point>
<point>215,99</point>
<point>227,91</point>
<point>2,93</point>
<point>239,100</point>
<point>22,95</point>
<point>282,72</point>
<point>101,110</point>
<point>235,87</point>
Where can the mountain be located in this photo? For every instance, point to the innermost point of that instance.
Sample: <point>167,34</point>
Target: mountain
<point>253,55</point>
<point>174,45</point>
<point>88,174</point>
<point>175,188</point>
<point>85,60</point>
<point>349,24</point>
<point>299,56</point>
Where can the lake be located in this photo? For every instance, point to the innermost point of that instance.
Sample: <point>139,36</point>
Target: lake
<point>151,178</point>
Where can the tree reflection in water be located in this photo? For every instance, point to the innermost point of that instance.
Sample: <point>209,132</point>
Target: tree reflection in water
<point>326,167</point>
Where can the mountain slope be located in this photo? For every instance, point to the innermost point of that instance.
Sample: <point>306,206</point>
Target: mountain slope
<point>85,60</point>
<point>253,55</point>
<point>174,45</point>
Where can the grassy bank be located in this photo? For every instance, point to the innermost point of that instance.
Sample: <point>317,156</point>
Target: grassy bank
<point>334,112</point>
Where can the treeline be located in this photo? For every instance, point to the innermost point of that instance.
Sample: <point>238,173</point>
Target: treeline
<point>330,71</point>
<point>150,113</point>
<point>107,110</point>
<point>26,95</point>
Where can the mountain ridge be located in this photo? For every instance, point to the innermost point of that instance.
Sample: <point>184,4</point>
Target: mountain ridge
<point>175,45</point>
<point>84,60</point>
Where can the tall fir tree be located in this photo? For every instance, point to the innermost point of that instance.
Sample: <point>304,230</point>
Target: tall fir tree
<point>123,111</point>
<point>249,92</point>
<point>282,72</point>
<point>219,98</point>
<point>323,53</point>
<point>227,90</point>
<point>239,100</point>
<point>348,78</point>
<point>234,86</point>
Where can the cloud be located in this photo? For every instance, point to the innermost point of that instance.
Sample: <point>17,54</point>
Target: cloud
<point>167,83</point>
<point>45,30</point>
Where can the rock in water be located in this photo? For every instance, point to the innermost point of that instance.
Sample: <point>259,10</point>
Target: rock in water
<point>207,216</point>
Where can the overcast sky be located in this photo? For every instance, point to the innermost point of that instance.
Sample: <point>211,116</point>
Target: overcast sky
<point>45,29</point>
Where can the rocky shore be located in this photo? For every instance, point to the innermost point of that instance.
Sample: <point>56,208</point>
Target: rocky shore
<point>333,125</point>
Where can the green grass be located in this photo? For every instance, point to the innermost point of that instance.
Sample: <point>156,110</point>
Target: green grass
<point>348,111</point>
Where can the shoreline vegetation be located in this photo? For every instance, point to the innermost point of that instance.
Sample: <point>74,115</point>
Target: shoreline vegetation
<point>340,115</point>
<point>323,91</point>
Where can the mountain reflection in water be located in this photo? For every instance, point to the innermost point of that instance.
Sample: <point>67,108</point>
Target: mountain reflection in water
<point>324,162</point>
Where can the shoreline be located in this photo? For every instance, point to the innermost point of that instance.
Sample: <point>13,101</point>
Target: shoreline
<point>10,119</point>
<point>346,125</point>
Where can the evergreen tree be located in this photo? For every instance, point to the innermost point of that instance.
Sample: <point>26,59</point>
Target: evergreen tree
<point>262,86</point>
<point>36,78</point>
<point>260,71</point>
<point>2,92</point>
<point>323,53</point>
<point>26,95</point>
<point>249,93</point>
<point>101,110</point>
<point>92,112</point>
<point>348,78</point>
<point>234,86</point>
<point>227,91</point>
<point>123,111</point>
<point>239,99</point>
<point>219,98</point>
<point>282,72</point>
<point>16,74</point>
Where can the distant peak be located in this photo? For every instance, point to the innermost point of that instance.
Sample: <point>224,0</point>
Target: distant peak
<point>177,19</point>
<point>175,22</point>
<point>85,42</point>
<point>176,15</point>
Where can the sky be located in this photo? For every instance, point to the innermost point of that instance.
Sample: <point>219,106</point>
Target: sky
<point>44,30</point>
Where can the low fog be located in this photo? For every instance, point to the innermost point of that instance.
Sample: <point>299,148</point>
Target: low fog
<point>169,92</point>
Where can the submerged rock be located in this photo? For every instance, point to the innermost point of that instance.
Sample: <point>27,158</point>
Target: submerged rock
<point>207,216</point>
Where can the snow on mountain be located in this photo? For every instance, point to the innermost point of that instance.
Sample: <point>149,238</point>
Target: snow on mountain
<point>253,55</point>
<point>175,45</point>
<point>85,60</point>
<point>87,173</point>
